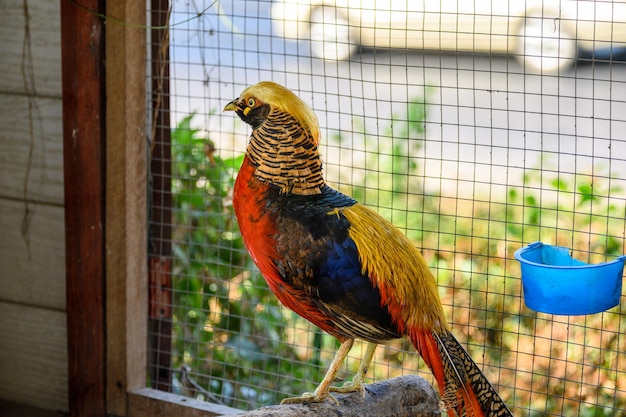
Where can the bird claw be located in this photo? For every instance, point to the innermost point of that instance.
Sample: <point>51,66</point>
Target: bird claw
<point>350,386</point>
<point>309,397</point>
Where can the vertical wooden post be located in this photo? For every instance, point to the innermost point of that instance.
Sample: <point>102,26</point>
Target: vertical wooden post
<point>126,203</point>
<point>160,230</point>
<point>83,158</point>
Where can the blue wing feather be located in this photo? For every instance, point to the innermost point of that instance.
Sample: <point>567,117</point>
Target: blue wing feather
<point>341,277</point>
<point>318,258</point>
<point>348,294</point>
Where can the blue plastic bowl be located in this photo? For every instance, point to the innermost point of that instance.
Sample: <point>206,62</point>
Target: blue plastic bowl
<point>556,283</point>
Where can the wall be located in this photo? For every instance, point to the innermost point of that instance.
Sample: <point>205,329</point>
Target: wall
<point>33,346</point>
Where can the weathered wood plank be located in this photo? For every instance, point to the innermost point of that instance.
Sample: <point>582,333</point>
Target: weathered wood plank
<point>153,403</point>
<point>31,161</point>
<point>32,265</point>
<point>33,348</point>
<point>126,205</point>
<point>82,36</point>
<point>30,48</point>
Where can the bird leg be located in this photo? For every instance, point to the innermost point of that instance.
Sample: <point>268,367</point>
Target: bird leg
<point>323,389</point>
<point>357,381</point>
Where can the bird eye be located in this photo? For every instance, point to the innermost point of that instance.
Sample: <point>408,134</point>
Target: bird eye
<point>251,102</point>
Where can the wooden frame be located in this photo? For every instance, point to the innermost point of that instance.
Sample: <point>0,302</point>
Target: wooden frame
<point>82,56</point>
<point>160,227</point>
<point>126,203</point>
<point>106,177</point>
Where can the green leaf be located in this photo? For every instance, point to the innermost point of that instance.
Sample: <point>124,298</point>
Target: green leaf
<point>233,163</point>
<point>559,184</point>
<point>586,193</point>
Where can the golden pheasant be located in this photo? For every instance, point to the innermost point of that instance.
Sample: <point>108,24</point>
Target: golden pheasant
<point>337,263</point>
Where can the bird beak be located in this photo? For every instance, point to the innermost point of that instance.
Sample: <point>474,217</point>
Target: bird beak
<point>232,106</point>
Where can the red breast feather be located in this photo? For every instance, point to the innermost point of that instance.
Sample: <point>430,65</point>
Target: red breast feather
<point>304,251</point>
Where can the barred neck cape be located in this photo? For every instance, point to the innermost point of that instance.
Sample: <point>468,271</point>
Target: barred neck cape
<point>286,155</point>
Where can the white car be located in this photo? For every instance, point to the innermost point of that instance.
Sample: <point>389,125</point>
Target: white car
<point>546,36</point>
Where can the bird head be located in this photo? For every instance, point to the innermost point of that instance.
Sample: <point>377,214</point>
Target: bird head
<point>255,103</point>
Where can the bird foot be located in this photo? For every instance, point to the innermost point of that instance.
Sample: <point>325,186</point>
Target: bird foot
<point>350,386</point>
<point>309,397</point>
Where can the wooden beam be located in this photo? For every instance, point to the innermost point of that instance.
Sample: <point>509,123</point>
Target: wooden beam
<point>82,54</point>
<point>126,203</point>
<point>160,245</point>
<point>148,402</point>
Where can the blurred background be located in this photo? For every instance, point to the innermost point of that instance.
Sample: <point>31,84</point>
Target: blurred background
<point>475,127</point>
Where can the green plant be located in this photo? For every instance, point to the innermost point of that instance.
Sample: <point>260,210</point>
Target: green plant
<point>389,166</point>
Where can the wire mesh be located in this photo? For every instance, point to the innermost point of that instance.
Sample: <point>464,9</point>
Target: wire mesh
<point>471,151</point>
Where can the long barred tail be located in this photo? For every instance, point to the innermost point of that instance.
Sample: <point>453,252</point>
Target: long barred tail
<point>463,386</point>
